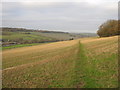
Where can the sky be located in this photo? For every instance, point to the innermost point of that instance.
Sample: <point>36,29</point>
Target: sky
<point>58,15</point>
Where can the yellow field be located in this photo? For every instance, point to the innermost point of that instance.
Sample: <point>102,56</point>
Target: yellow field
<point>27,55</point>
<point>83,63</point>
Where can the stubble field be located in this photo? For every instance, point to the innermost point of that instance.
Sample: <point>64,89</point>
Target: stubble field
<point>83,63</point>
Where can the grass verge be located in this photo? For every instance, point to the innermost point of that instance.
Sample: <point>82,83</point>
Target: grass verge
<point>19,45</point>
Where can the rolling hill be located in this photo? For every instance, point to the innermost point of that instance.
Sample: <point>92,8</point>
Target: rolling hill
<point>80,63</point>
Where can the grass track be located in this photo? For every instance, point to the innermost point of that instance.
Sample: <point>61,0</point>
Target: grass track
<point>83,63</point>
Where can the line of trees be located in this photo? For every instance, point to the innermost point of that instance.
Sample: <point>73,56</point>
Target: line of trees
<point>109,28</point>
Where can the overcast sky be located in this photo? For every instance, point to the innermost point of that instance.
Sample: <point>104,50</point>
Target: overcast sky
<point>74,16</point>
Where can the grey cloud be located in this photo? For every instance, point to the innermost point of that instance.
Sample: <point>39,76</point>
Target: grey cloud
<point>70,16</point>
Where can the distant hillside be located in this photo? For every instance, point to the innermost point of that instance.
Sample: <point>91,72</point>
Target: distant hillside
<point>28,36</point>
<point>28,30</point>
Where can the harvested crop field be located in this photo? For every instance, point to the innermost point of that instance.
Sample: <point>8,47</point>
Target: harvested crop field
<point>81,63</point>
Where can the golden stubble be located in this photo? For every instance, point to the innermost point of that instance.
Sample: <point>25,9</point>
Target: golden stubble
<point>37,53</point>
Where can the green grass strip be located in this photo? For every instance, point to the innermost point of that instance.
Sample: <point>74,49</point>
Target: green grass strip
<point>82,71</point>
<point>19,45</point>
